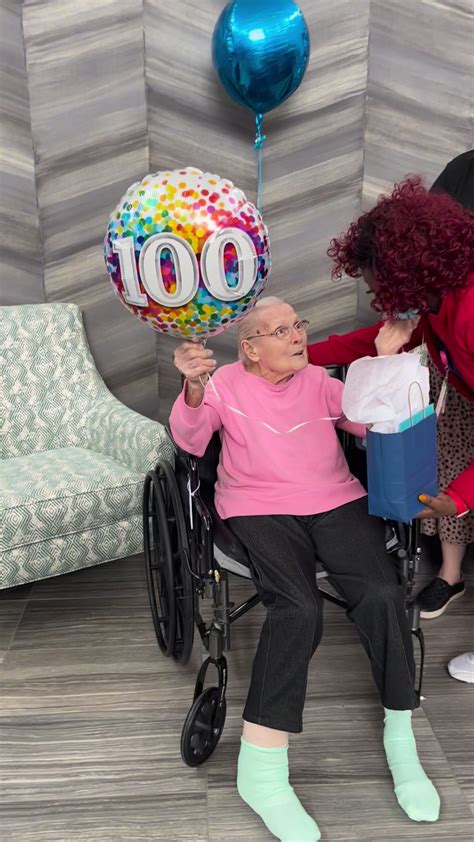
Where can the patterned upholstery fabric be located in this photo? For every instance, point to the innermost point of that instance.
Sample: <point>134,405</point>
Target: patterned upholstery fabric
<point>57,492</point>
<point>73,457</point>
<point>71,552</point>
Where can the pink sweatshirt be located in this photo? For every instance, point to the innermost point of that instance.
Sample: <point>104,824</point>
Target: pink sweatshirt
<point>280,451</point>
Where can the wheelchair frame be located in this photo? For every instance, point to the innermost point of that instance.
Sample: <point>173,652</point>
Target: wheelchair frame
<point>181,570</point>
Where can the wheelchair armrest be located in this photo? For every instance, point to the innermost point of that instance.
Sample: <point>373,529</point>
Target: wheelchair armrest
<point>339,372</point>
<point>201,474</point>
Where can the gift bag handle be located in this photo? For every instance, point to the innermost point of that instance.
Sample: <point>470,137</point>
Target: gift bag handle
<point>416,383</point>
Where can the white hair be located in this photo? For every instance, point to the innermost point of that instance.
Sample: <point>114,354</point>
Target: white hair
<point>250,323</point>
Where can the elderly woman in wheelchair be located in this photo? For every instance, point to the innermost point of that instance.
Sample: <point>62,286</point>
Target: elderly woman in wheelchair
<point>285,489</point>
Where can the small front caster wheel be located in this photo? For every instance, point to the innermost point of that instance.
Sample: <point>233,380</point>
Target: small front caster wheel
<point>203,727</point>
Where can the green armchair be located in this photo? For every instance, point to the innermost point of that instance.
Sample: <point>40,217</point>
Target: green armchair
<point>72,457</point>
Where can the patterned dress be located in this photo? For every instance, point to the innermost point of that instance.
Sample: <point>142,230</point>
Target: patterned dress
<point>455,452</point>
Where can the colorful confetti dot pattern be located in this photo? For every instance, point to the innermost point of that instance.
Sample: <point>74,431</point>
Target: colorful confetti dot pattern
<point>193,205</point>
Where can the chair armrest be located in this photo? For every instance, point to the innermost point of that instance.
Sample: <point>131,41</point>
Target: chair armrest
<point>117,431</point>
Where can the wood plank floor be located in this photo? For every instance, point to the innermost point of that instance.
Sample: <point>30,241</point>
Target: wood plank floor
<point>91,715</point>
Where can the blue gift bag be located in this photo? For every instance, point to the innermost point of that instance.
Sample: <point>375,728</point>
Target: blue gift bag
<point>400,467</point>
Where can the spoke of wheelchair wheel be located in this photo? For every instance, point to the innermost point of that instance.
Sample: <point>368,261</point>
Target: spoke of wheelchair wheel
<point>201,726</point>
<point>163,603</point>
<point>157,558</point>
<point>158,566</point>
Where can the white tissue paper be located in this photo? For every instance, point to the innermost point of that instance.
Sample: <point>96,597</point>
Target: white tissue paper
<point>379,391</point>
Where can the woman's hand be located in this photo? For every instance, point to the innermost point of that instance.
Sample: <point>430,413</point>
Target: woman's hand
<point>441,506</point>
<point>394,335</point>
<point>195,362</point>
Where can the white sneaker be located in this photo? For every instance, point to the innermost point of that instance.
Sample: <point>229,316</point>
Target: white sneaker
<point>462,667</point>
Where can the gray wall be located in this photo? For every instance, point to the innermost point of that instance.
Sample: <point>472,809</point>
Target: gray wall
<point>88,120</point>
<point>420,93</point>
<point>21,274</point>
<point>313,153</point>
<point>114,90</point>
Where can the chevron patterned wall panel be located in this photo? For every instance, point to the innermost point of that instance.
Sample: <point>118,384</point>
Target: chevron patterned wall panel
<point>103,110</point>
<point>88,115</point>
<point>21,274</point>
<point>420,94</point>
<point>313,155</point>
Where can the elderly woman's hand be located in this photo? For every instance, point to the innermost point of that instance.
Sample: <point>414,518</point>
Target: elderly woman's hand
<point>394,335</point>
<point>195,362</point>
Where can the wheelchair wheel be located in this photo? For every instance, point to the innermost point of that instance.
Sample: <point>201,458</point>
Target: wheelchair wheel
<point>203,727</point>
<point>170,587</point>
<point>159,564</point>
<point>183,580</point>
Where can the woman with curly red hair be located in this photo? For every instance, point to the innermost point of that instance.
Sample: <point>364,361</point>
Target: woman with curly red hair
<point>415,251</point>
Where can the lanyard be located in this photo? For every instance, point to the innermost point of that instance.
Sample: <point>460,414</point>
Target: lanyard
<point>444,359</point>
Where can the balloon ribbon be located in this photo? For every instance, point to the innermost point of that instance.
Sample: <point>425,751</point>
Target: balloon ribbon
<point>259,141</point>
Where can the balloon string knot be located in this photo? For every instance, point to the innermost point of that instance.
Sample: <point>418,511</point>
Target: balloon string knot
<point>260,137</point>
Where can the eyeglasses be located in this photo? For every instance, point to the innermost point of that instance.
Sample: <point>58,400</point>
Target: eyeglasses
<point>284,332</point>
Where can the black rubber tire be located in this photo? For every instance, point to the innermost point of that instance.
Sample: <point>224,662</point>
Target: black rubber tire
<point>203,727</point>
<point>183,580</point>
<point>159,564</point>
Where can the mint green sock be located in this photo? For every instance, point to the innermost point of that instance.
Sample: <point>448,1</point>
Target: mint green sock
<point>262,782</point>
<point>415,793</point>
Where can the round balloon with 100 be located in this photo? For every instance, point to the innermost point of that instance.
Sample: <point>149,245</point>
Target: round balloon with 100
<point>187,271</point>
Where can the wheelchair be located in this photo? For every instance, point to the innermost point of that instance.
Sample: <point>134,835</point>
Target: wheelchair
<point>189,552</point>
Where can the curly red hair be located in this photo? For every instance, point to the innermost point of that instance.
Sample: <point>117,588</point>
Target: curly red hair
<point>417,243</point>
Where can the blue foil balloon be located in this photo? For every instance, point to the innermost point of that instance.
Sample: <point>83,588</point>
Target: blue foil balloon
<point>260,51</point>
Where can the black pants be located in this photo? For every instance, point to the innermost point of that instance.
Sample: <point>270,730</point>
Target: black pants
<point>350,544</point>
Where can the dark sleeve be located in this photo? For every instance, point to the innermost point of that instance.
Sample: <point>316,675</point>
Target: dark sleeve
<point>443,183</point>
<point>457,180</point>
